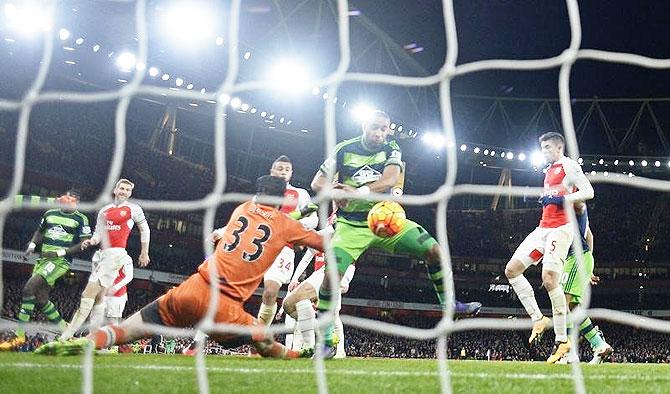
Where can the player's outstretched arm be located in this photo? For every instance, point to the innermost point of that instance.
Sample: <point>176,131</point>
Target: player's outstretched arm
<point>72,250</point>
<point>34,241</point>
<point>584,189</point>
<point>145,235</point>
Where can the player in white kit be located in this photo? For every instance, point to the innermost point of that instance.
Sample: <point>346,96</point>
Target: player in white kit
<point>564,185</point>
<point>295,199</point>
<point>117,295</point>
<point>114,223</point>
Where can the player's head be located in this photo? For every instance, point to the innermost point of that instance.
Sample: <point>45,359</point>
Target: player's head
<point>69,200</point>
<point>269,185</point>
<point>282,168</point>
<point>376,128</point>
<point>552,145</point>
<point>123,189</point>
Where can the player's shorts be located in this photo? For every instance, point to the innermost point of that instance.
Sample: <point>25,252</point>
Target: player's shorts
<point>350,241</point>
<point>282,269</point>
<point>186,304</point>
<point>106,265</point>
<point>316,279</point>
<point>550,245</point>
<point>51,269</point>
<point>114,306</point>
<point>574,279</point>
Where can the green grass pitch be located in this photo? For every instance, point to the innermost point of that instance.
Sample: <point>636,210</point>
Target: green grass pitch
<point>122,373</point>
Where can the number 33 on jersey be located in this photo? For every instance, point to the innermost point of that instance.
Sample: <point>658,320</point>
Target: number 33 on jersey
<point>253,238</point>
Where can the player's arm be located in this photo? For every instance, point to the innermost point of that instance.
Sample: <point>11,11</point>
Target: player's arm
<point>584,189</point>
<point>295,233</point>
<point>100,230</point>
<point>589,238</point>
<point>309,218</point>
<point>302,266</point>
<point>145,234</point>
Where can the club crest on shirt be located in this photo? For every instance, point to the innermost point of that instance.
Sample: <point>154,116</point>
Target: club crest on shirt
<point>366,174</point>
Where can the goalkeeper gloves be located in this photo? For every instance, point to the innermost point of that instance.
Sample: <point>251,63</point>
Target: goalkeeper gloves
<point>305,211</point>
<point>556,200</point>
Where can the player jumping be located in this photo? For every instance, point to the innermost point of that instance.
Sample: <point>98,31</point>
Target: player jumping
<point>114,223</point>
<point>370,163</point>
<point>61,233</point>
<point>253,238</point>
<point>564,182</point>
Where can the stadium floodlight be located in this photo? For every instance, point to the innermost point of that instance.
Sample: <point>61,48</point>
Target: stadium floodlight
<point>244,107</point>
<point>601,161</point>
<point>140,66</point>
<point>235,103</point>
<point>616,162</point>
<point>219,41</point>
<point>96,48</point>
<point>290,76</point>
<point>79,41</point>
<point>486,152</point>
<point>510,156</point>
<point>125,61</point>
<point>224,99</point>
<point>178,82</point>
<point>28,16</point>
<point>657,163</point>
<point>362,112</point>
<point>464,148</point>
<point>188,23</point>
<point>476,150</point>
<point>644,163</point>
<point>153,71</point>
<point>392,126</point>
<point>631,163</point>
<point>434,139</point>
<point>263,114</point>
<point>493,153</point>
<point>400,128</point>
<point>537,158</point>
<point>521,156</point>
<point>247,55</point>
<point>253,110</point>
<point>315,91</point>
<point>63,34</point>
<point>502,154</point>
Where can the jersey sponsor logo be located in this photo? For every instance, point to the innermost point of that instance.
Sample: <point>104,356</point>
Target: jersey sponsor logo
<point>86,230</point>
<point>122,213</point>
<point>56,231</point>
<point>112,227</point>
<point>366,174</point>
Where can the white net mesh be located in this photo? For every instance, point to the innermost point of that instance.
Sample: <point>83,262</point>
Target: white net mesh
<point>441,196</point>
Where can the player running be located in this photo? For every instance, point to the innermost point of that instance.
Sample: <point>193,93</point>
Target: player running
<point>295,199</point>
<point>115,221</point>
<point>564,183</point>
<point>574,282</point>
<point>370,163</point>
<point>253,238</point>
<point>61,233</point>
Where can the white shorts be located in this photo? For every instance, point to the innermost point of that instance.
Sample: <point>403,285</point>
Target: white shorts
<point>282,269</point>
<point>550,245</point>
<point>106,265</point>
<point>114,306</point>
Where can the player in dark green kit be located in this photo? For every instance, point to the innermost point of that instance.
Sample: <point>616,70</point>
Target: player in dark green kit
<point>61,232</point>
<point>370,163</point>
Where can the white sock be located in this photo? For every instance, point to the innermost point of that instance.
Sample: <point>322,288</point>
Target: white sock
<point>79,318</point>
<point>560,310</point>
<point>306,322</point>
<point>289,323</point>
<point>524,291</point>
<point>267,313</point>
<point>97,315</point>
<point>339,331</point>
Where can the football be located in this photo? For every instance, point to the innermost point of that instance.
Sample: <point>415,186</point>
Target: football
<point>386,218</point>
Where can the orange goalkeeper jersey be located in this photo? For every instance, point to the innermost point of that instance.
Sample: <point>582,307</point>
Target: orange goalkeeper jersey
<point>254,236</point>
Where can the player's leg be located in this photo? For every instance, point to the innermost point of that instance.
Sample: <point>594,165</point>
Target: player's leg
<point>529,252</point>
<point>556,249</point>
<point>279,273</point>
<point>290,324</point>
<point>339,331</point>
<point>416,241</point>
<point>299,305</point>
<point>102,277</point>
<point>574,282</point>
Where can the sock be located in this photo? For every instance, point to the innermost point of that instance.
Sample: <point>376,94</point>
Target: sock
<point>591,334</point>
<point>108,336</point>
<point>49,310</point>
<point>306,322</point>
<point>269,348</point>
<point>323,306</point>
<point>559,308</point>
<point>97,315</point>
<point>267,313</point>
<point>289,323</point>
<point>435,275</point>
<point>79,318</point>
<point>524,291</point>
<point>339,331</point>
<point>26,311</point>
